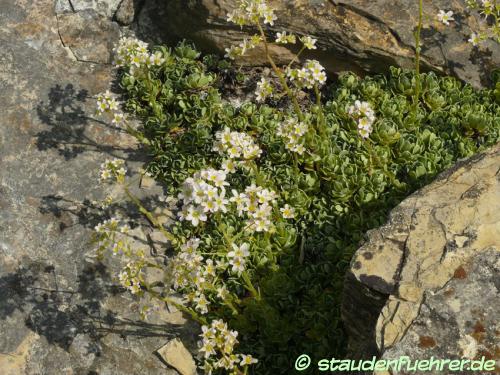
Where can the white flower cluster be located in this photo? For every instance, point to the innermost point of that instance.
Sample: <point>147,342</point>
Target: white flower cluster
<point>264,89</point>
<point>247,44</point>
<point>256,202</point>
<point>293,131</point>
<point>236,145</point>
<point>195,276</point>
<point>106,103</point>
<point>112,169</point>
<point>217,347</point>
<point>112,235</point>
<point>130,277</point>
<point>490,9</point>
<point>186,265</point>
<point>364,116</point>
<point>285,38</point>
<point>311,74</point>
<point>251,12</point>
<point>191,272</point>
<point>202,194</point>
<point>133,53</point>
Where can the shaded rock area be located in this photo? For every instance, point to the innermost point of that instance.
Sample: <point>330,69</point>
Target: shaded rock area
<point>357,35</point>
<point>428,282</point>
<point>60,311</point>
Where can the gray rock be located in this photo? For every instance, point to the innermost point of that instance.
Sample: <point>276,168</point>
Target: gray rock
<point>106,8</point>
<point>357,35</point>
<point>125,13</point>
<point>63,6</point>
<point>90,36</point>
<point>420,284</point>
<point>461,320</point>
<point>60,311</point>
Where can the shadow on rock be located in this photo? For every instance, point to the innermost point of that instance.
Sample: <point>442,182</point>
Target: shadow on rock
<point>88,214</point>
<point>72,131</point>
<point>60,315</point>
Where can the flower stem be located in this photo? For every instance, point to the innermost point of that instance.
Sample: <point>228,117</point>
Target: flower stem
<point>417,54</point>
<point>280,76</point>
<point>149,215</point>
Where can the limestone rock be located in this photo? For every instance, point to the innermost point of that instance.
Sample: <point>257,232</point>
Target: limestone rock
<point>460,320</point>
<point>63,6</point>
<point>60,310</point>
<point>431,272</point>
<point>177,356</point>
<point>126,12</point>
<point>90,36</point>
<point>106,8</point>
<point>357,35</point>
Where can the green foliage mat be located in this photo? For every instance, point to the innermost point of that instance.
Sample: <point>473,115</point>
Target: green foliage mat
<point>339,196</point>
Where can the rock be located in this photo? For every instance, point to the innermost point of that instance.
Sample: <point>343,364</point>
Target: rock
<point>177,356</point>
<point>424,279</point>
<point>106,8</point>
<point>125,13</point>
<point>60,309</point>
<point>460,320</point>
<point>63,6</point>
<point>352,35</point>
<point>90,36</point>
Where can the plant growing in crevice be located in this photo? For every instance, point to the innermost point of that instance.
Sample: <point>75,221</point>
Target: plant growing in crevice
<point>269,203</point>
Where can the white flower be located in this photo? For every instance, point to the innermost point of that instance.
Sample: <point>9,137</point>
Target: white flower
<point>445,17</point>
<point>117,118</point>
<point>285,38</point>
<point>475,39</point>
<point>208,348</point>
<point>222,292</point>
<point>238,265</point>
<point>221,203</point>
<point>269,17</point>
<point>364,132</point>
<point>299,149</point>
<point>124,229</point>
<point>201,303</point>
<point>239,251</point>
<point>264,89</point>
<point>233,52</point>
<point>228,166</point>
<point>261,225</point>
<point>364,122</point>
<point>488,4</point>
<point>308,42</point>
<point>287,212</point>
<point>247,360</point>
<point>157,58</point>
<point>195,215</point>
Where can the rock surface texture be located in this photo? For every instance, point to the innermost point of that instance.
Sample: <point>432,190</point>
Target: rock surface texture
<point>357,35</point>
<point>60,312</point>
<point>428,283</point>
